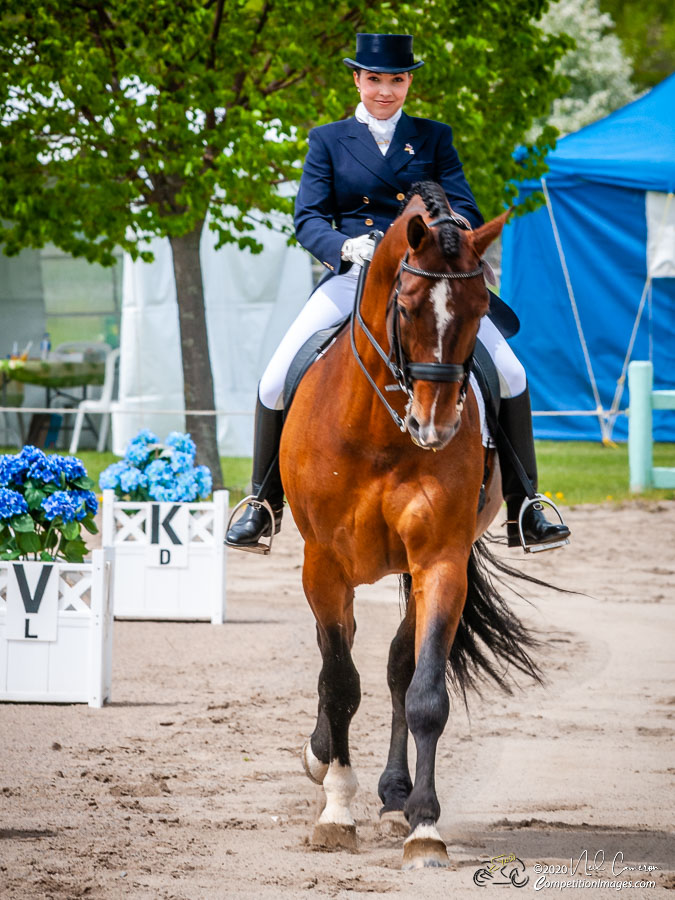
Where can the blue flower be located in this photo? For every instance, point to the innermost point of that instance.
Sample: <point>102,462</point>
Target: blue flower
<point>64,504</point>
<point>159,471</point>
<point>137,453</point>
<point>12,470</point>
<point>162,493</point>
<point>11,504</point>
<point>30,454</point>
<point>71,466</point>
<point>182,443</point>
<point>145,436</point>
<point>131,479</point>
<point>109,478</point>
<point>43,468</point>
<point>88,499</point>
<point>180,461</point>
<point>203,480</point>
<point>186,487</point>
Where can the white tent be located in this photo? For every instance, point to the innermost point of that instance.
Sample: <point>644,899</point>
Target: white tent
<point>250,302</point>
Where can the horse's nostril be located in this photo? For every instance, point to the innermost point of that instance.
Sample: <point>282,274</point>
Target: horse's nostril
<point>413,423</point>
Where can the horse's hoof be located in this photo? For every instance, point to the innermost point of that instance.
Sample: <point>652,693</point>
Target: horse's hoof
<point>329,836</point>
<point>394,823</point>
<point>425,849</point>
<point>314,768</point>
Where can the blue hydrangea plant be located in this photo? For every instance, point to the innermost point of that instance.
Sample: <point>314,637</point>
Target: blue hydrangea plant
<point>44,503</point>
<point>158,471</point>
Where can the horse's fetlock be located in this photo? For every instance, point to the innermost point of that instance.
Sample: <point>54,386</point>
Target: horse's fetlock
<point>394,788</point>
<point>425,812</point>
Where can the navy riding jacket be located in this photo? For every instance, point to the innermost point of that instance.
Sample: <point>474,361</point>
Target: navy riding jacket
<point>347,181</point>
<point>348,188</point>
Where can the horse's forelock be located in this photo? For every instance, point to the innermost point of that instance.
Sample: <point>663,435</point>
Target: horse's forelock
<point>436,204</point>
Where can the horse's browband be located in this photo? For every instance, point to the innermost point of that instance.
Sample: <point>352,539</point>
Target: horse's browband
<point>406,267</point>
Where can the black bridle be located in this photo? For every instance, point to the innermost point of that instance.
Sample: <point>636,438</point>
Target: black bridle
<point>404,371</point>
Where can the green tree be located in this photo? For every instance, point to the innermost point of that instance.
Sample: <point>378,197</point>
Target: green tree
<point>596,68</point>
<point>123,120</point>
<point>646,29</point>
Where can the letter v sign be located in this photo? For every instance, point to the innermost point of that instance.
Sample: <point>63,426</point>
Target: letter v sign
<point>32,601</point>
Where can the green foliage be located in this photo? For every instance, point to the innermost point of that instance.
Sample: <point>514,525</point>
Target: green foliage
<point>596,68</point>
<point>647,31</point>
<point>125,120</point>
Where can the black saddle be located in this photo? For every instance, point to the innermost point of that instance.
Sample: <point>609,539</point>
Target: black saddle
<point>483,368</point>
<point>310,351</point>
<point>487,377</point>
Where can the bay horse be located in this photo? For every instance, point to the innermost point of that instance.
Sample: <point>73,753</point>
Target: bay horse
<point>370,499</point>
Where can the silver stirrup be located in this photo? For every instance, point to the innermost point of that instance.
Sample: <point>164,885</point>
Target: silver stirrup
<point>537,502</point>
<point>260,547</point>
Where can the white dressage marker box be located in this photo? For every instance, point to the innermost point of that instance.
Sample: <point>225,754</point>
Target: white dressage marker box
<point>169,558</point>
<point>56,631</point>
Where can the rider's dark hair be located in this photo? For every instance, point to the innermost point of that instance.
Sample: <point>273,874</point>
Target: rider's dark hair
<point>433,197</point>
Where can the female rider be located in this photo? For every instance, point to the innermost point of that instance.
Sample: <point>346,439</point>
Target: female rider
<point>356,174</point>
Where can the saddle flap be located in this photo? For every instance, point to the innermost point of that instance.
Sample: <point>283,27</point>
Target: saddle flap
<point>487,377</point>
<point>310,351</point>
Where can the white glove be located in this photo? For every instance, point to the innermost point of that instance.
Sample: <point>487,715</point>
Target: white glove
<point>358,249</point>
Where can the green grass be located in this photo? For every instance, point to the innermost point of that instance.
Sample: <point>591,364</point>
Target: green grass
<point>582,472</point>
<point>585,472</point>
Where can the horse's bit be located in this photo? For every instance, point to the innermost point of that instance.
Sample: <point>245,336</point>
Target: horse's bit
<point>404,371</point>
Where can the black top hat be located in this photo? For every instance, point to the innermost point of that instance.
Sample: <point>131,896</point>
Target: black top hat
<point>390,53</point>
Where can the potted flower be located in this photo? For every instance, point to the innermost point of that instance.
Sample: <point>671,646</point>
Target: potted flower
<point>168,537</point>
<point>55,619</point>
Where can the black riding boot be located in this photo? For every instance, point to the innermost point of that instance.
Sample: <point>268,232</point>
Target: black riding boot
<point>266,480</point>
<point>515,419</point>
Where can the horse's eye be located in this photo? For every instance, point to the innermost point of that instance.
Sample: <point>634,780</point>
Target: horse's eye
<point>405,314</point>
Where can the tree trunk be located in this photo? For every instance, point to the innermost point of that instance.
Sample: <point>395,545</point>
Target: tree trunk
<point>197,377</point>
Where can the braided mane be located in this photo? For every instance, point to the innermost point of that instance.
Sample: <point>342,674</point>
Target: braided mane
<point>436,203</point>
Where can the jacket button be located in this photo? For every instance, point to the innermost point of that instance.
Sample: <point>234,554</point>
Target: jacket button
<point>400,197</point>
<point>366,199</point>
<point>369,221</point>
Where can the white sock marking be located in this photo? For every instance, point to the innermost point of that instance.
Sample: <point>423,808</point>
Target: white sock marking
<point>340,784</point>
<point>424,832</point>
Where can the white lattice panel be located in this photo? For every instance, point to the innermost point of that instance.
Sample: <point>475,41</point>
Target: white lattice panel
<point>76,667</point>
<point>195,591</point>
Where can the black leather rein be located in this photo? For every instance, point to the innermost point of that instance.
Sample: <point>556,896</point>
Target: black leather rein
<point>406,372</point>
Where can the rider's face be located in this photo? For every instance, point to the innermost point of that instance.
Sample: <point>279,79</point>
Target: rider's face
<point>382,94</point>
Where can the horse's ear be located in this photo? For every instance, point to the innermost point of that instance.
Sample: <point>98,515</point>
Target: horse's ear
<point>482,237</point>
<point>417,232</point>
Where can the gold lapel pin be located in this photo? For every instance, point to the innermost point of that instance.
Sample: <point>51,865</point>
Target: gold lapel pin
<point>408,149</point>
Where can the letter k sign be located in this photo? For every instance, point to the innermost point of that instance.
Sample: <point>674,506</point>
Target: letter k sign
<point>32,601</point>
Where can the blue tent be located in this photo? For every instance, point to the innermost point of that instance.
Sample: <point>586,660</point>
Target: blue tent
<point>592,274</point>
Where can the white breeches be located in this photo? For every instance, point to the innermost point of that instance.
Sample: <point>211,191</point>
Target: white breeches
<point>332,302</point>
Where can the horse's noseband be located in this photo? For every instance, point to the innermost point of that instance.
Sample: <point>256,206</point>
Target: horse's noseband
<point>406,372</point>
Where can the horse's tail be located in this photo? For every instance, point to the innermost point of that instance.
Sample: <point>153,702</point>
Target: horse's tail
<point>491,641</point>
